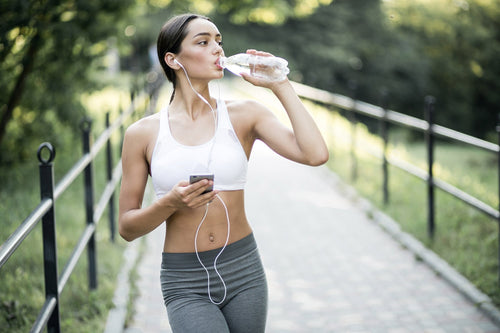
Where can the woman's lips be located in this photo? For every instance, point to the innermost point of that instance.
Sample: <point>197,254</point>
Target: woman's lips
<point>217,63</point>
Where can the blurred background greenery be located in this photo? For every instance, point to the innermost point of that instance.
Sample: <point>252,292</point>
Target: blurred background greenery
<point>52,52</point>
<point>61,60</point>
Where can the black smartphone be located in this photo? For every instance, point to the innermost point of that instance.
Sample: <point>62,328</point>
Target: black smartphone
<point>196,178</point>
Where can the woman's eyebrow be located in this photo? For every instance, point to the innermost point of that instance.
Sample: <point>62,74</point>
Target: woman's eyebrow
<point>207,34</point>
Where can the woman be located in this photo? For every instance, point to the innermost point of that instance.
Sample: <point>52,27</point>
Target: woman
<point>212,277</point>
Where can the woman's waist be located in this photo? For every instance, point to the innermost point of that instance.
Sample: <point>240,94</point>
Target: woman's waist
<point>207,237</point>
<point>208,226</point>
<point>233,251</point>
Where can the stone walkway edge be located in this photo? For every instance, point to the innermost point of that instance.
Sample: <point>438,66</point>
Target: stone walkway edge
<point>436,263</point>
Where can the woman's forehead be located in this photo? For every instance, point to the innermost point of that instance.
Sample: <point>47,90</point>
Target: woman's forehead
<point>201,26</point>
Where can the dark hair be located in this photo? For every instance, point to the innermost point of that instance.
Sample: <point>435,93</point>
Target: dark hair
<point>170,38</point>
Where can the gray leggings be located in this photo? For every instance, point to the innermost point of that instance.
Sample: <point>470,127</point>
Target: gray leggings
<point>184,287</point>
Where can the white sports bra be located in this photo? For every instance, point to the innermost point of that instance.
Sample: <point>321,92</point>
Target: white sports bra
<point>172,161</point>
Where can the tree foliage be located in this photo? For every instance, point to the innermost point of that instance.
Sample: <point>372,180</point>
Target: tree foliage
<point>348,46</point>
<point>461,41</point>
<point>244,11</point>
<point>344,45</point>
<point>407,48</point>
<point>410,49</point>
<point>48,52</point>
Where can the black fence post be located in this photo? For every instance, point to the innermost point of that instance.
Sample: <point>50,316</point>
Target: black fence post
<point>109,172</point>
<point>498,218</point>
<point>89,204</point>
<point>132,101</point>
<point>122,132</point>
<point>429,135</point>
<point>49,235</point>
<point>352,118</point>
<point>384,126</point>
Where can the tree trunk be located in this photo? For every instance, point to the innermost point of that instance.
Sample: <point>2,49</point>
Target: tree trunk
<point>15,96</point>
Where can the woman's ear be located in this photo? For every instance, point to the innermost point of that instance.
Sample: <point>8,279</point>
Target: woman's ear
<point>169,60</point>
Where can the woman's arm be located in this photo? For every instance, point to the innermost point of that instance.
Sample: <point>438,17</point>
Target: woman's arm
<point>134,220</point>
<point>304,143</point>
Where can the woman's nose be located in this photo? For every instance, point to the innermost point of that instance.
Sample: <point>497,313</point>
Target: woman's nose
<point>218,48</point>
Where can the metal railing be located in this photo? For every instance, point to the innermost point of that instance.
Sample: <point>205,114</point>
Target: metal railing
<point>48,316</point>
<point>431,131</point>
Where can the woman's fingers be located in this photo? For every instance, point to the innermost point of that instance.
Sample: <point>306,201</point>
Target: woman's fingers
<point>191,195</point>
<point>259,53</point>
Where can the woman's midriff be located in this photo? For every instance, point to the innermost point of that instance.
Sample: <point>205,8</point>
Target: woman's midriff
<point>182,226</point>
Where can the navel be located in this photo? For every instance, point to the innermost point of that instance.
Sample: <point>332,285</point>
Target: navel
<point>211,237</point>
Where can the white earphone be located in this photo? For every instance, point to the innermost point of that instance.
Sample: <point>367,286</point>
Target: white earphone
<point>178,63</point>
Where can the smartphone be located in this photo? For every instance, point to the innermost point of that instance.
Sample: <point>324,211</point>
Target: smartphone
<point>196,178</point>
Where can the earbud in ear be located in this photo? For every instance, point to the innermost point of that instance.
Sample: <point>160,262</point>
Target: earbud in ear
<point>178,63</point>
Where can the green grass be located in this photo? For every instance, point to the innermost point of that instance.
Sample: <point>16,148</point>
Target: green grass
<point>465,237</point>
<point>22,287</point>
<point>134,292</point>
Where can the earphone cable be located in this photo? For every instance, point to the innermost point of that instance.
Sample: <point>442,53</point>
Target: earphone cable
<point>206,209</point>
<point>211,108</point>
<point>218,255</point>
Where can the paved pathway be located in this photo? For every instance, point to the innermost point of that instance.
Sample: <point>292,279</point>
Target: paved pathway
<point>329,268</point>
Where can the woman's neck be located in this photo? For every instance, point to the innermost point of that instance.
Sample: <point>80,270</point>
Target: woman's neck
<point>188,101</point>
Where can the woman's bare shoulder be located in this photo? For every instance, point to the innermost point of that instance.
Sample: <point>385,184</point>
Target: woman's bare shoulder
<point>144,127</point>
<point>243,105</point>
<point>141,135</point>
<point>246,110</point>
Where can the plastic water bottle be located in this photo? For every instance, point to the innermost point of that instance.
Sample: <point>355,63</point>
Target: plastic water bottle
<point>271,68</point>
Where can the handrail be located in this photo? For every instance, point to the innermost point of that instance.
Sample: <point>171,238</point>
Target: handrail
<point>377,112</point>
<point>54,285</point>
<point>44,316</point>
<point>73,259</point>
<point>18,236</point>
<point>108,192</point>
<point>374,111</point>
<point>441,184</point>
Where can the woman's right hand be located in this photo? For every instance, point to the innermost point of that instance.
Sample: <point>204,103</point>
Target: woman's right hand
<point>186,195</point>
